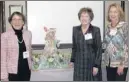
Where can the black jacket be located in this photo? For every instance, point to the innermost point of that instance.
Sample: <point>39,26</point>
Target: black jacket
<point>86,54</point>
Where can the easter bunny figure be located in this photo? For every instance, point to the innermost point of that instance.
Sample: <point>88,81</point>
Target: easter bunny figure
<point>51,43</point>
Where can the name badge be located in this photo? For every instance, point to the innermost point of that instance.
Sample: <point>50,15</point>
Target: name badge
<point>26,54</point>
<point>88,36</point>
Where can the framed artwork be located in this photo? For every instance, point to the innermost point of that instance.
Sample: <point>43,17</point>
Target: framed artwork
<point>13,8</point>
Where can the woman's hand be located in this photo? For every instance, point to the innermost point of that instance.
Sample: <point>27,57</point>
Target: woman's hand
<point>95,71</point>
<point>120,70</point>
<point>71,65</point>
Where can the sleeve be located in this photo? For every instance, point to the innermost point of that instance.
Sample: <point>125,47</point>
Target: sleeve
<point>104,43</point>
<point>4,72</point>
<point>73,46</point>
<point>125,45</point>
<point>30,49</point>
<point>98,49</point>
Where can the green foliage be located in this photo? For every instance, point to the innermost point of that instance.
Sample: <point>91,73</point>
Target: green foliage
<point>55,61</point>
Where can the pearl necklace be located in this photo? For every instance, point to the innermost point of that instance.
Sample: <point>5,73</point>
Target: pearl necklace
<point>20,41</point>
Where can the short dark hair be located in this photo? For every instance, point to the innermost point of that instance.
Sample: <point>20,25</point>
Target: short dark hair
<point>16,13</point>
<point>87,10</point>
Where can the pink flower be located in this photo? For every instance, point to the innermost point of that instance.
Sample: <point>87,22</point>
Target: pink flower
<point>45,29</point>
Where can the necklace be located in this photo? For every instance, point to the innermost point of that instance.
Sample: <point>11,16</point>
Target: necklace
<point>20,41</point>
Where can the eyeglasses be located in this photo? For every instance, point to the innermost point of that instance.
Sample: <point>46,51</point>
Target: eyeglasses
<point>17,20</point>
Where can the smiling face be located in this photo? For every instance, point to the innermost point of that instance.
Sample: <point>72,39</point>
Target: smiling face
<point>85,18</point>
<point>17,22</point>
<point>113,14</point>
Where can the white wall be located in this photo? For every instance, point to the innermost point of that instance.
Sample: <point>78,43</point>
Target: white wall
<point>62,15</point>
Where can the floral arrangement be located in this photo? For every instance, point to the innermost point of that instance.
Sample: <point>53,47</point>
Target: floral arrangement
<point>57,61</point>
<point>51,57</point>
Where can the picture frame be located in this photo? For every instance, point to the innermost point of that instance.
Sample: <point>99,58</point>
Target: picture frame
<point>13,8</point>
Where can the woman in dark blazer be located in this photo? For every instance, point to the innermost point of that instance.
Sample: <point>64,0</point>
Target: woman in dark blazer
<point>86,51</point>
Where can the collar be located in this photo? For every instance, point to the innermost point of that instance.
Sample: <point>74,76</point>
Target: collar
<point>89,29</point>
<point>11,30</point>
<point>119,25</point>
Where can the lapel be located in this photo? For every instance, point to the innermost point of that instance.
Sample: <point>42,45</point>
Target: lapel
<point>15,40</point>
<point>80,35</point>
<point>89,30</point>
<point>25,38</point>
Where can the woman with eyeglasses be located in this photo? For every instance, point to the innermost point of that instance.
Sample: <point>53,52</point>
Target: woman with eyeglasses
<point>16,50</point>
